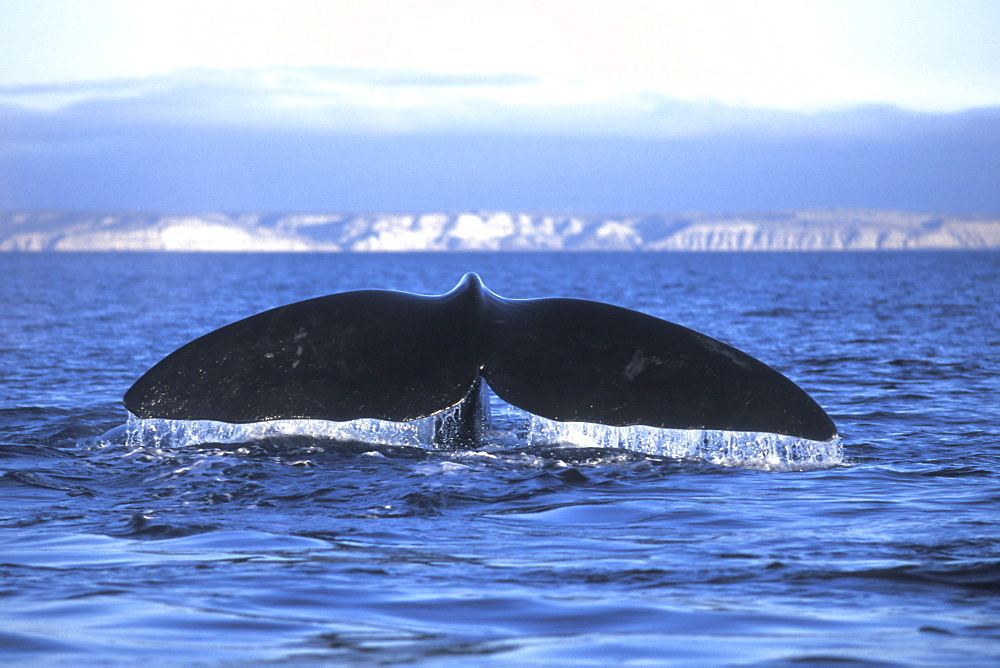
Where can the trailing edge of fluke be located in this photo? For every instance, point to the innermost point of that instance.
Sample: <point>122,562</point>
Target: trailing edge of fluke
<point>398,356</point>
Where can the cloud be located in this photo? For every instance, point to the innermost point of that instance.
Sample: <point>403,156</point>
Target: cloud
<point>352,139</point>
<point>381,77</point>
<point>393,102</point>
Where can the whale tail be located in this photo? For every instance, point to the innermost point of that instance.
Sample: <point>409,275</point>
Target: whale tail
<point>400,357</point>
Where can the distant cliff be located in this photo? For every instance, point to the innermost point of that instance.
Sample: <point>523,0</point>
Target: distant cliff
<point>800,230</point>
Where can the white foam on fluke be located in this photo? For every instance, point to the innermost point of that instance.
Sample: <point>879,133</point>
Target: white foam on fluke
<point>761,451</point>
<point>754,450</point>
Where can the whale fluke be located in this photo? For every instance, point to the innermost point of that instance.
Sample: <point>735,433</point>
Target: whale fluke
<point>400,357</point>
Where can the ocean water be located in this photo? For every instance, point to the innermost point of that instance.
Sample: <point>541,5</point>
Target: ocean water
<point>125,541</point>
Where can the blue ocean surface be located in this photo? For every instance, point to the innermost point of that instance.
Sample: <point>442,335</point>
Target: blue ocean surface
<point>125,541</point>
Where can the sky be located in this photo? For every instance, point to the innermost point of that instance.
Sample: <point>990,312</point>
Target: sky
<point>616,106</point>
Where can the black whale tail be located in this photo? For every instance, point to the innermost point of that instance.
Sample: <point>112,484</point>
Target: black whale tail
<point>400,357</point>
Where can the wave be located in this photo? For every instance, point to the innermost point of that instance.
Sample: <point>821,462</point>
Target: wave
<point>981,576</point>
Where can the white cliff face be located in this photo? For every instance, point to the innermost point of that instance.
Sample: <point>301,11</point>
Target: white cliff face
<point>824,229</point>
<point>182,234</point>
